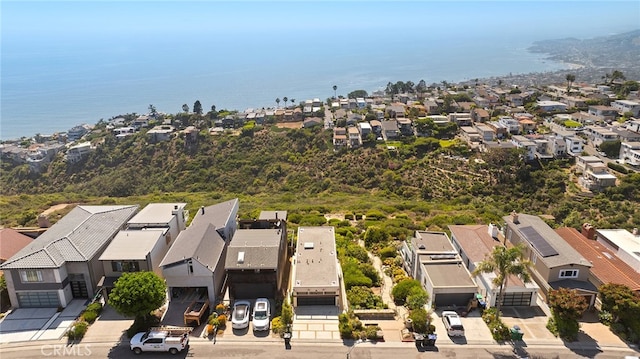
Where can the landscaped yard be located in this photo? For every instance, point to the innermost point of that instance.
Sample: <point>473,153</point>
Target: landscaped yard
<point>572,124</point>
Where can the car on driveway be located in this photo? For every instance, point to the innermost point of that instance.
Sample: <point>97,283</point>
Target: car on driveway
<point>261,314</point>
<point>241,314</point>
<point>452,323</point>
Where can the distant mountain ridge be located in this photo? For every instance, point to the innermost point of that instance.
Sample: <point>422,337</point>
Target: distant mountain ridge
<point>614,51</point>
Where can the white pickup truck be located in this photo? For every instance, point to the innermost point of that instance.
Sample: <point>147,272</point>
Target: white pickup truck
<point>160,340</point>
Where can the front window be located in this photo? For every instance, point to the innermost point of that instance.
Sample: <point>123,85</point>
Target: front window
<point>31,275</point>
<point>569,273</point>
<point>125,266</point>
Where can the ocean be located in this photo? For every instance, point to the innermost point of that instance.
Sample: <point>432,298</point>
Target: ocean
<point>49,87</point>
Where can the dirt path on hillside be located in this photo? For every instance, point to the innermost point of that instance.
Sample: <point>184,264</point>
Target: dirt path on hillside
<point>55,208</point>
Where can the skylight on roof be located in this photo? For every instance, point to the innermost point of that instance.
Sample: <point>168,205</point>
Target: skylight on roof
<point>308,245</point>
<point>240,257</point>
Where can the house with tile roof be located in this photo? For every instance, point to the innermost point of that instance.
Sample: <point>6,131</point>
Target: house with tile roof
<point>11,242</point>
<point>475,243</point>
<point>607,266</point>
<point>196,258</point>
<point>555,263</point>
<point>62,263</point>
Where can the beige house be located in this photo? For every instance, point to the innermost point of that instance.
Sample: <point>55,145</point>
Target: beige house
<point>555,264</point>
<point>317,278</point>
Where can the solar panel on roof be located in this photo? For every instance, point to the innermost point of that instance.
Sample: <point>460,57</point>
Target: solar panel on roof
<point>541,244</point>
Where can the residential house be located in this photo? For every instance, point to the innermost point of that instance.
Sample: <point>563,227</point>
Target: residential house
<point>557,146</point>
<point>527,125</point>
<point>161,133</point>
<point>516,100</point>
<point>354,137</point>
<point>430,258</point>
<point>123,132</point>
<point>624,106</point>
<point>480,115</point>
<point>575,102</point>
<point>582,162</point>
<point>390,129</point>
<point>486,132</point>
<point>499,129</point>
<point>376,127</point>
<point>625,244</point>
<point>489,145</point>
<point>196,258</point>
<point>606,113</point>
<point>607,267</point>
<point>633,125</point>
<point>525,143</point>
<point>395,110</point>
<point>625,135</point>
<point>256,260</point>
<point>339,137</point>
<point>630,153</point>
<point>471,136</point>
<point>365,129</point>
<point>405,126</point>
<point>475,243</point>
<point>598,135</point>
<point>317,278</point>
<point>554,263</point>
<point>460,118</point>
<point>11,242</point>
<point>512,125</point>
<point>62,263</point>
<point>574,144</point>
<point>312,122</point>
<point>361,103</point>
<point>77,152</point>
<point>596,177</point>
<point>353,118</point>
<point>141,121</point>
<point>431,107</point>
<point>551,106</point>
<point>76,132</point>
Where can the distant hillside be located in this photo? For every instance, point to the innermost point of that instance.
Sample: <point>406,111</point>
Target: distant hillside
<point>621,51</point>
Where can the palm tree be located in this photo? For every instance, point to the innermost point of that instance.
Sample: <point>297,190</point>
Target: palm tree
<point>335,88</point>
<point>570,78</point>
<point>278,102</point>
<point>285,99</point>
<point>185,108</point>
<point>293,101</point>
<point>504,262</point>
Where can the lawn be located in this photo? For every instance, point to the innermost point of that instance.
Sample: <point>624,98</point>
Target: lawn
<point>446,143</point>
<point>572,124</point>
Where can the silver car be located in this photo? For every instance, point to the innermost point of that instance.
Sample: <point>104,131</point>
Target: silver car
<point>241,314</point>
<point>261,314</point>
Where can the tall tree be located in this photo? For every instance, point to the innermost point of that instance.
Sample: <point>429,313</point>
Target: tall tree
<point>137,294</point>
<point>335,93</point>
<point>197,107</point>
<point>152,110</point>
<point>570,78</point>
<point>285,99</point>
<point>616,75</point>
<point>278,102</point>
<point>567,306</point>
<point>185,108</point>
<point>293,102</point>
<point>504,262</point>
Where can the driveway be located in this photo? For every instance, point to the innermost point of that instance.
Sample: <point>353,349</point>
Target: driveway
<point>27,324</point>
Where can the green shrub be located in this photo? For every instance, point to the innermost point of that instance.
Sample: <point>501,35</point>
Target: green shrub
<point>617,167</point>
<point>277,327</point>
<point>420,319</point>
<point>222,320</point>
<point>605,317</point>
<point>94,307</point>
<point>387,252</point>
<point>401,290</point>
<point>89,316</point>
<point>78,330</point>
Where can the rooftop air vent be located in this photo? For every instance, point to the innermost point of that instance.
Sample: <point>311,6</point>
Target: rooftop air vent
<point>308,245</point>
<point>240,257</point>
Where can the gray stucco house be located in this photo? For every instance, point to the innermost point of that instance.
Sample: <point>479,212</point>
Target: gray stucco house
<point>62,263</point>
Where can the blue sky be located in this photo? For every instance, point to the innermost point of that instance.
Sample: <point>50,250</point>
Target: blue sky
<point>31,19</point>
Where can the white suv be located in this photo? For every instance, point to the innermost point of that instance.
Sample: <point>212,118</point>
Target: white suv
<point>261,314</point>
<point>452,323</point>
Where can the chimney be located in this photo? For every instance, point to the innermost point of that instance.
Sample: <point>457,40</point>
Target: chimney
<point>202,209</point>
<point>514,217</point>
<point>493,230</point>
<point>276,214</point>
<point>175,207</point>
<point>588,231</point>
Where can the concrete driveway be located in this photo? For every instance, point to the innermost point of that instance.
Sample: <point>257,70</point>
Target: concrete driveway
<point>27,324</point>
<point>475,330</point>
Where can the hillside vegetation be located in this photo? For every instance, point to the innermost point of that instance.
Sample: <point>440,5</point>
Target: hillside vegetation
<point>299,171</point>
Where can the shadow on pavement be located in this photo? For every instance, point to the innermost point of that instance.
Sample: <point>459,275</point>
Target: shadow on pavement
<point>522,312</point>
<point>582,343</point>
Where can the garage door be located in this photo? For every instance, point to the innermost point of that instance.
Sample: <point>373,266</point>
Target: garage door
<point>320,300</point>
<point>516,300</point>
<point>253,290</point>
<point>447,299</point>
<point>38,300</point>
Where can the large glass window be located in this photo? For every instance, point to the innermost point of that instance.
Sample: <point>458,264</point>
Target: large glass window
<point>31,275</point>
<point>125,266</point>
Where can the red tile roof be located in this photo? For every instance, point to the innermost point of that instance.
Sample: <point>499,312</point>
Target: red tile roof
<point>607,267</point>
<point>11,241</point>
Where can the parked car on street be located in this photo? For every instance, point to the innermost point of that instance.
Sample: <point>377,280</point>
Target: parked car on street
<point>241,314</point>
<point>452,323</point>
<point>161,339</point>
<point>261,314</point>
